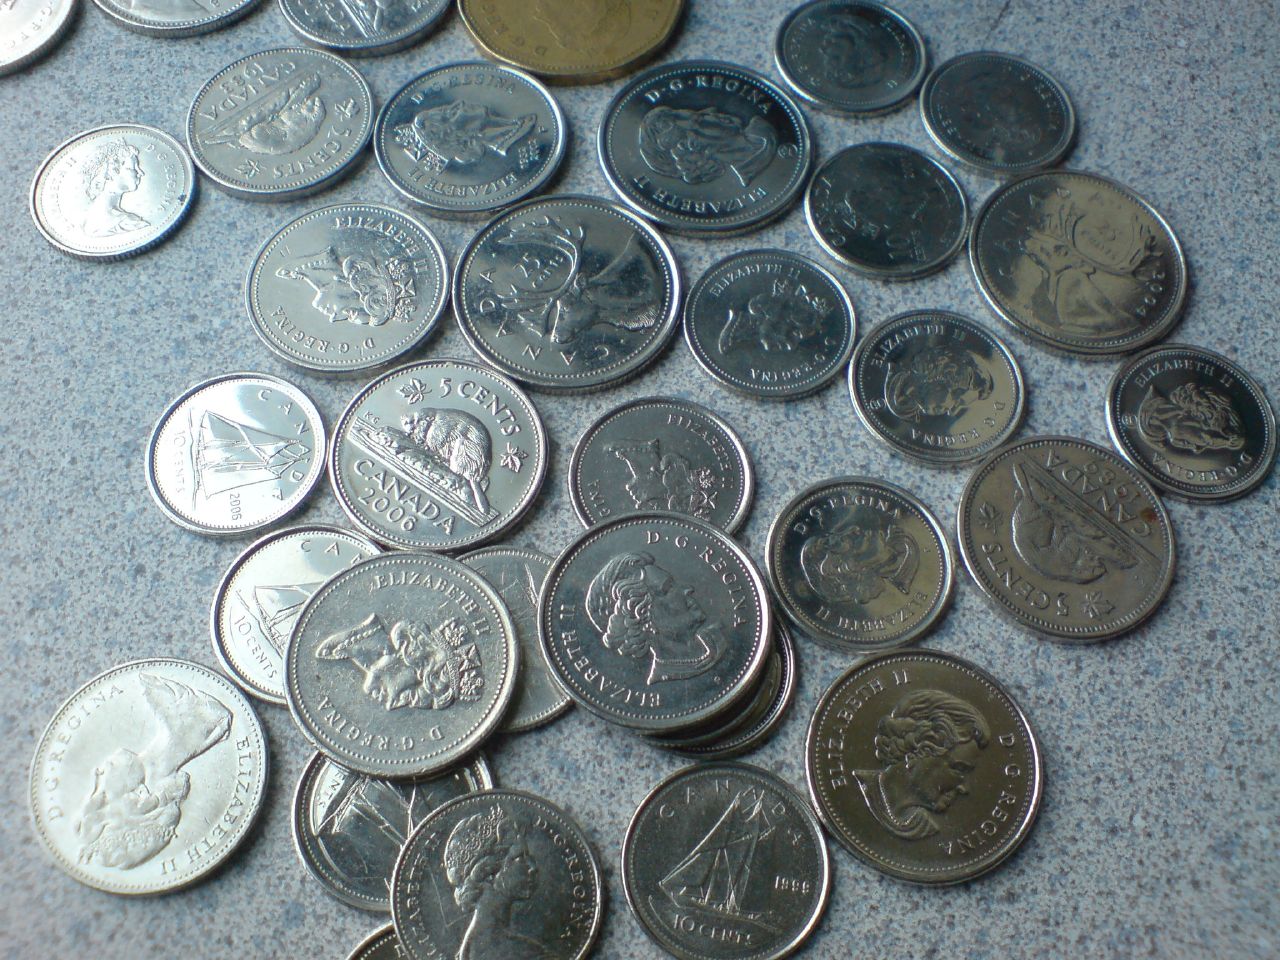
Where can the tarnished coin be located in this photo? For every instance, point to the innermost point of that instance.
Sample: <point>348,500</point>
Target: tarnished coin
<point>725,861</point>
<point>849,56</point>
<point>997,114</point>
<point>1078,263</point>
<point>771,324</point>
<point>659,453</point>
<point>113,191</point>
<point>349,828</point>
<point>148,777</point>
<point>469,138</point>
<point>30,29</point>
<point>235,454</point>
<point>887,211</point>
<point>401,665</point>
<point>358,28</point>
<point>438,455</point>
<point>1192,422</point>
<point>380,945</point>
<point>860,564</point>
<point>501,874</point>
<point>567,293</point>
<point>1066,538</point>
<point>261,596</point>
<point>655,621</point>
<point>923,767</point>
<point>280,124</point>
<point>347,288</point>
<point>175,18</point>
<point>937,387</point>
<point>702,146</point>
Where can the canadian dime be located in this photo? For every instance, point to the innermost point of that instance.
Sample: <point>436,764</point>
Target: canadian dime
<point>30,29</point>
<point>382,944</point>
<point>363,29</point>
<point>174,18</point>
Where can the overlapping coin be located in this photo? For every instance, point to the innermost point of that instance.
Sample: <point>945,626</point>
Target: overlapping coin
<point>362,30</point>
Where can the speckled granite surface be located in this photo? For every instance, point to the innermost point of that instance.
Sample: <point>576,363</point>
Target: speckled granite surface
<point>1160,830</point>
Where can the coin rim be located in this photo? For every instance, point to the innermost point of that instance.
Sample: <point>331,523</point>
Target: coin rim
<point>373,941</point>
<point>47,43</point>
<point>181,29</point>
<point>406,37</point>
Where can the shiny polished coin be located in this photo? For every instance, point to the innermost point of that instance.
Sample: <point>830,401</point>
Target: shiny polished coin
<point>349,828</point>
<point>702,146</point>
<point>725,861</point>
<point>1078,263</point>
<point>470,138</point>
<point>401,665</point>
<point>148,777</point>
<point>235,454</point>
<point>113,192</point>
<point>1192,422</point>
<point>937,387</point>
<point>30,29</point>
<point>361,29</point>
<point>771,324</point>
<point>655,621</point>
<point>348,287</point>
<point>260,597</point>
<point>997,114</point>
<point>860,564</point>
<point>659,453</point>
<point>887,211</point>
<point>501,875</point>
<point>380,945</point>
<point>923,767</point>
<point>850,57</point>
<point>175,18</point>
<point>1066,538</point>
<point>438,455</point>
<point>280,124</point>
<point>567,293</point>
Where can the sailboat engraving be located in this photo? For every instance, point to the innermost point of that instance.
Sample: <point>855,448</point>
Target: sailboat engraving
<point>276,608</point>
<point>227,454</point>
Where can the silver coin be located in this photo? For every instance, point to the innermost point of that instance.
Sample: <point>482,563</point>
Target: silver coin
<point>349,828</point>
<point>280,124</point>
<point>937,387</point>
<point>30,29</point>
<point>235,454</point>
<point>567,293</point>
<point>887,211</point>
<point>860,564</point>
<point>771,324</point>
<point>1066,538</point>
<point>997,114</point>
<point>174,18</point>
<point>438,455</point>
<point>113,191</point>
<point>1078,263</point>
<point>850,57</point>
<point>725,861</point>
<point>261,596</point>
<point>1192,422</point>
<point>401,665</point>
<point>347,287</point>
<point>148,777</point>
<point>382,944</point>
<point>359,28</point>
<point>470,138</point>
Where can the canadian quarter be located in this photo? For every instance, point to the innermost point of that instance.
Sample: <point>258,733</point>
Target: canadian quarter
<point>363,30</point>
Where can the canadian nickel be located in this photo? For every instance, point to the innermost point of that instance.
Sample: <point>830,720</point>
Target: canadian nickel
<point>770,324</point>
<point>466,139</point>
<point>702,146</point>
<point>235,454</point>
<point>848,57</point>
<point>401,665</point>
<point>518,574</point>
<point>923,766</point>
<point>567,293</point>
<point>1066,538</point>
<point>113,191</point>
<point>860,564</point>
<point>937,387</point>
<point>261,595</point>
<point>438,455</point>
<point>661,453</point>
<point>698,902</point>
<point>148,777</point>
<point>30,29</point>
<point>175,18</point>
<point>887,211</point>
<point>1078,263</point>
<point>382,944</point>
<point>361,28</point>
<point>500,874</point>
<point>349,828</point>
<point>1192,423</point>
<point>347,288</point>
<point>280,124</point>
<point>655,621</point>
